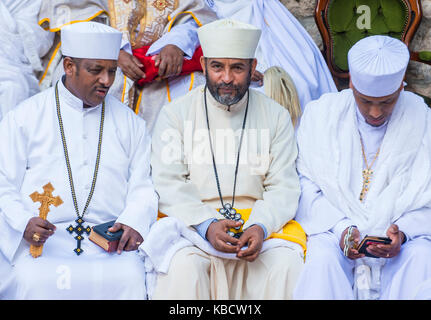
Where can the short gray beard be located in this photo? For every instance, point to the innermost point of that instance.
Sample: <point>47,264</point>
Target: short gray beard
<point>227,100</point>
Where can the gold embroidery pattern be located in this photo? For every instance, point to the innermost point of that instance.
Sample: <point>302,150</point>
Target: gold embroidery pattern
<point>160,4</point>
<point>154,22</point>
<point>144,21</point>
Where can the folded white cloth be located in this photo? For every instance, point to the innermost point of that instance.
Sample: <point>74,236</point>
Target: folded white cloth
<point>168,235</point>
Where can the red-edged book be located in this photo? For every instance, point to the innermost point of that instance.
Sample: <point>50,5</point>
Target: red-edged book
<point>105,239</point>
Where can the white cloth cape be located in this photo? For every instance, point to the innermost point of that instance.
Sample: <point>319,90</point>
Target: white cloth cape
<point>22,42</point>
<point>330,155</point>
<point>284,42</point>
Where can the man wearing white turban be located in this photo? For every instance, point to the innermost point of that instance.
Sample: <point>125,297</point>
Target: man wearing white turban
<point>284,43</point>
<point>365,169</point>
<point>223,164</point>
<point>94,151</point>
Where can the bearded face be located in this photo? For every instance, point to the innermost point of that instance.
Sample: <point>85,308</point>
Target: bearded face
<point>228,79</point>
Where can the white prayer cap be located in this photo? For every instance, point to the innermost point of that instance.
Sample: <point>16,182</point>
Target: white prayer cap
<point>377,65</point>
<point>227,38</point>
<point>90,40</point>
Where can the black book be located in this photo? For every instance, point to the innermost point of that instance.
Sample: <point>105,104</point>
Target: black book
<point>104,238</point>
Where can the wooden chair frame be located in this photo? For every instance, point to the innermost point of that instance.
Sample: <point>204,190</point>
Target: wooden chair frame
<point>321,18</point>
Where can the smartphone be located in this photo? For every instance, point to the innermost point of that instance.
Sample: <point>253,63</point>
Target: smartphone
<point>362,248</point>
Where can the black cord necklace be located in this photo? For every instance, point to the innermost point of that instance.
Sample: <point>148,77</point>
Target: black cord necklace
<point>227,209</point>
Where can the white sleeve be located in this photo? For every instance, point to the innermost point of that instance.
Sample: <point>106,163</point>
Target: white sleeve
<point>415,223</point>
<point>316,214</point>
<point>179,197</point>
<point>142,202</point>
<point>13,162</point>
<point>184,36</point>
<point>281,184</point>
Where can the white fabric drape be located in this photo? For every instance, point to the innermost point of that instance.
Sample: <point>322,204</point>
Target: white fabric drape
<point>22,42</point>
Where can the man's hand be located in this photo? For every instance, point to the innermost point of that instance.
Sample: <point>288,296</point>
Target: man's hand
<point>43,228</point>
<point>257,77</point>
<point>131,66</point>
<point>253,238</point>
<point>218,237</point>
<point>388,250</point>
<point>130,239</point>
<point>352,253</point>
<point>169,61</point>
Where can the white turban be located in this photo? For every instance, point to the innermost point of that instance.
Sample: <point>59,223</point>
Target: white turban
<point>227,38</point>
<point>377,65</point>
<point>90,40</point>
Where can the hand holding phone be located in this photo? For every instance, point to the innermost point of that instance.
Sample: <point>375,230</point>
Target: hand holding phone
<point>383,247</point>
<point>372,240</point>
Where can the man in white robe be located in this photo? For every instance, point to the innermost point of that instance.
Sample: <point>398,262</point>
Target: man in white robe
<point>22,42</point>
<point>284,43</point>
<point>365,169</point>
<point>169,28</point>
<point>52,17</point>
<point>190,250</point>
<point>115,183</point>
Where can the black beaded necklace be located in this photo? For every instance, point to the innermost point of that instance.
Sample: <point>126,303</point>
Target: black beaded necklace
<point>227,209</point>
<point>79,229</point>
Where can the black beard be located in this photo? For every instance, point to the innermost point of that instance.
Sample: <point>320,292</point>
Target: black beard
<point>228,100</point>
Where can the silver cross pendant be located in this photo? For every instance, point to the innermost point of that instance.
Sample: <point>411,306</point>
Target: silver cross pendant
<point>230,213</point>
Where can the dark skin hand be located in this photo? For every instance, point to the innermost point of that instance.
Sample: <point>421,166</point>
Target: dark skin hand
<point>130,239</point>
<point>44,228</point>
<point>220,240</point>
<point>257,77</point>
<point>353,253</point>
<point>169,61</point>
<point>379,250</point>
<point>388,250</point>
<point>253,238</point>
<point>130,65</point>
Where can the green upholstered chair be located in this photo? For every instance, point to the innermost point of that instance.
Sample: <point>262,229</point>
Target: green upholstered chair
<point>344,22</point>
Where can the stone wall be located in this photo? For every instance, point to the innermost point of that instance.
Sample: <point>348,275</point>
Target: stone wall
<point>418,74</point>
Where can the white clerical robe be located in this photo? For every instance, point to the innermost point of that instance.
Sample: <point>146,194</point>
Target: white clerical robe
<point>183,34</point>
<point>22,41</point>
<point>32,155</point>
<point>184,178</point>
<point>327,273</point>
<point>284,43</point>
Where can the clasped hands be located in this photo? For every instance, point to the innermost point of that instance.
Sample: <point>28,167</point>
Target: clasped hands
<point>169,61</point>
<point>220,240</point>
<point>130,239</point>
<point>379,250</point>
